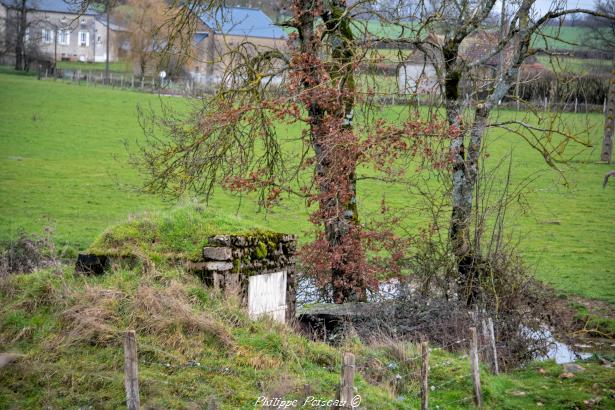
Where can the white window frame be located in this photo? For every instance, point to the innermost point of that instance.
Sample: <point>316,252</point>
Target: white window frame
<point>64,37</point>
<point>86,39</point>
<point>47,36</point>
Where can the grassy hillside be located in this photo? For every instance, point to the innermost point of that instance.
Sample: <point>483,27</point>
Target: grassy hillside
<point>63,164</point>
<point>195,347</point>
<point>561,38</point>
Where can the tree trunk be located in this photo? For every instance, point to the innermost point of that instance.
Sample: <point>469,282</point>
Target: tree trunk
<point>461,188</point>
<point>609,123</point>
<point>20,41</point>
<point>464,176</point>
<point>339,211</point>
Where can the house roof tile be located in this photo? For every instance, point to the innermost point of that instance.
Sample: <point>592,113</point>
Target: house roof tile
<point>55,6</point>
<point>242,21</point>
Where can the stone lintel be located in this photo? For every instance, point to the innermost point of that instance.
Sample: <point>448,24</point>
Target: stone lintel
<point>217,253</point>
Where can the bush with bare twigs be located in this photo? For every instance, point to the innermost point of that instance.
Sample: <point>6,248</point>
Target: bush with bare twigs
<point>27,253</point>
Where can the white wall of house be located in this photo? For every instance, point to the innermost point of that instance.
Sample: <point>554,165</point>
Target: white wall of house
<point>417,78</point>
<point>62,36</point>
<point>100,41</point>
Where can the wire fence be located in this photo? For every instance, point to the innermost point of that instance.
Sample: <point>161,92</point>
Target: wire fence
<point>435,380</point>
<point>192,88</point>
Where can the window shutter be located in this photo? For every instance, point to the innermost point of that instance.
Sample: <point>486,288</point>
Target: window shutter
<point>67,33</point>
<point>44,36</point>
<point>87,39</point>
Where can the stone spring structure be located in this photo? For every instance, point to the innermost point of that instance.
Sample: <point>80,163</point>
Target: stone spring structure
<point>257,267</point>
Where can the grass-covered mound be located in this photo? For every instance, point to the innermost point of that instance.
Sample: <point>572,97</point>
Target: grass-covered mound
<point>195,346</point>
<point>177,234</point>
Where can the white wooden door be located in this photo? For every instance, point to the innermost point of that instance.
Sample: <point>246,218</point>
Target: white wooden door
<point>267,295</point>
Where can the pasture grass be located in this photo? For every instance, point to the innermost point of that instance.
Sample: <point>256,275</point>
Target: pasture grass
<point>120,67</point>
<point>64,165</point>
<point>195,347</point>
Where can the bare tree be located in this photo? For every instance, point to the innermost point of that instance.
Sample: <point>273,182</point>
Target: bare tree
<point>234,139</point>
<point>145,24</point>
<point>21,35</point>
<point>453,23</point>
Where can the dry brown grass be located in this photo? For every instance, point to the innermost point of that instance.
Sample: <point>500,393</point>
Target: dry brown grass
<point>97,315</point>
<point>93,316</point>
<point>167,311</point>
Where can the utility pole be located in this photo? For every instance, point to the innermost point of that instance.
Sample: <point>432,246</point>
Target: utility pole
<point>55,45</point>
<point>107,51</point>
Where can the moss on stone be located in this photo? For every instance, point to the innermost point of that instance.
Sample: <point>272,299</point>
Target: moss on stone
<point>177,234</point>
<point>260,250</point>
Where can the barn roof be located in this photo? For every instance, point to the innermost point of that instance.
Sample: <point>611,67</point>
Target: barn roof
<point>55,6</point>
<point>242,21</point>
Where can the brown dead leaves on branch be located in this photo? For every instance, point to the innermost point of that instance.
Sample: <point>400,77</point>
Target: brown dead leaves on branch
<point>239,139</point>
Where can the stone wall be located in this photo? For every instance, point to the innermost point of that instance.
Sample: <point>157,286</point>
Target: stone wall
<point>230,260</point>
<point>227,263</point>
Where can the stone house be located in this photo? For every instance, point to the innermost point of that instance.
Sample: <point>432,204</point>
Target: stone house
<point>56,31</point>
<point>222,30</point>
<point>419,73</point>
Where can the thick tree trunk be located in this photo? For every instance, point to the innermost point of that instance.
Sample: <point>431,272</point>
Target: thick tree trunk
<point>609,123</point>
<point>461,189</point>
<point>340,211</point>
<point>464,176</point>
<point>465,164</point>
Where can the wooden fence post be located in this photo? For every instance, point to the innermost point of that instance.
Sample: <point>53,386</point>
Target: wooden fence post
<point>494,352</point>
<point>347,382</point>
<point>425,376</point>
<point>131,372</point>
<point>475,368</point>
<point>484,340</point>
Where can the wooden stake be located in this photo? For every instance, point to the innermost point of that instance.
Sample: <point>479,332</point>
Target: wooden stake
<point>494,352</point>
<point>484,341</point>
<point>347,383</point>
<point>425,376</point>
<point>131,372</point>
<point>475,368</point>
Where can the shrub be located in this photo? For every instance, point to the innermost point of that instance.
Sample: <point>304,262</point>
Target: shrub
<point>27,254</point>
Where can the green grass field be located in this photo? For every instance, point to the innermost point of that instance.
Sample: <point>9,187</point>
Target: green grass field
<point>115,67</point>
<point>194,345</point>
<point>63,165</point>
